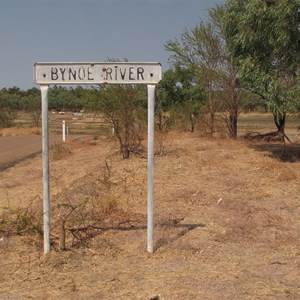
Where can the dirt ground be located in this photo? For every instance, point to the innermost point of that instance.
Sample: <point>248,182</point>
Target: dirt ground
<point>227,217</point>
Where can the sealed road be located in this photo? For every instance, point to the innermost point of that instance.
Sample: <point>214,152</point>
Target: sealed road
<point>14,149</point>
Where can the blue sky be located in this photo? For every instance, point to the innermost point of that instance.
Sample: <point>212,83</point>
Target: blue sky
<point>89,31</point>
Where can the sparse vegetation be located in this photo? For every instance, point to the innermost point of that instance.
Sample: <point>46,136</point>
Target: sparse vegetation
<point>226,209</point>
<point>213,197</point>
<point>7,118</point>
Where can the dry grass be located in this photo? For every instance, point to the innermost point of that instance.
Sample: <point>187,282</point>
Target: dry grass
<point>226,217</point>
<point>59,151</point>
<point>15,131</point>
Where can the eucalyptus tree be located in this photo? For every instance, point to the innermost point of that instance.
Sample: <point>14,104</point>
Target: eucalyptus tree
<point>203,50</point>
<point>179,94</point>
<point>263,37</point>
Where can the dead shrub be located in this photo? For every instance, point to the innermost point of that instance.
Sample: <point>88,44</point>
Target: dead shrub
<point>160,145</point>
<point>76,222</point>
<point>212,129</point>
<point>59,151</point>
<point>86,208</point>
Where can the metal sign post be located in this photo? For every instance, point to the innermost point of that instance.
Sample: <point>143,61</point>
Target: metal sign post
<point>98,73</point>
<point>150,224</point>
<point>45,150</point>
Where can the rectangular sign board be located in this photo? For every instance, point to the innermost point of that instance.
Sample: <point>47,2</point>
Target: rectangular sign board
<point>97,73</point>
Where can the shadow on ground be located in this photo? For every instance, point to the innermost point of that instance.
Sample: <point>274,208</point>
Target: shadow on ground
<point>283,152</point>
<point>180,231</point>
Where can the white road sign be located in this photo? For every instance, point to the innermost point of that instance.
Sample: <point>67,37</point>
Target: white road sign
<point>97,73</point>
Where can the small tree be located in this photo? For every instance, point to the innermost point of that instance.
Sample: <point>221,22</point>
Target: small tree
<point>203,50</point>
<point>124,107</point>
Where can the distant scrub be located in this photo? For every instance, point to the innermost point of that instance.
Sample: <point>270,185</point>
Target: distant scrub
<point>7,118</point>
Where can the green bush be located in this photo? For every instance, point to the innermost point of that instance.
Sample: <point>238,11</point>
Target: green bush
<point>7,118</point>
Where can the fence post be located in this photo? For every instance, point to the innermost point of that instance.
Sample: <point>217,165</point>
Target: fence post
<point>64,130</point>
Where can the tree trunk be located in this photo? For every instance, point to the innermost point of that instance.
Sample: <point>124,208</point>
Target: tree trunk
<point>124,144</point>
<point>62,238</point>
<point>192,120</point>
<point>233,105</point>
<point>233,118</point>
<point>211,110</point>
<point>233,125</point>
<point>160,123</point>
<point>125,151</point>
<point>279,120</point>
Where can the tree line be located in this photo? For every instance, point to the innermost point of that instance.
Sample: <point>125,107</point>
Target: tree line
<point>244,57</point>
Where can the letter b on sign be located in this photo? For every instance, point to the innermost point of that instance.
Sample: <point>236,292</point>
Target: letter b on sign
<point>54,75</point>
